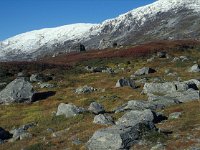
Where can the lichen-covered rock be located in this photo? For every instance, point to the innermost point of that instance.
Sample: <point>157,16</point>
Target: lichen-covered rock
<point>69,110</point>
<point>18,91</point>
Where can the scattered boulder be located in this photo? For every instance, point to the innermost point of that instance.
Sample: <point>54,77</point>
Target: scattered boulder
<point>4,135</point>
<point>117,137</point>
<point>134,117</point>
<point>103,119</point>
<point>161,102</point>
<point>170,93</point>
<point>195,68</point>
<point>99,69</point>
<point>168,87</point>
<point>151,59</point>
<point>125,82</point>
<point>96,108</point>
<point>176,59</point>
<point>85,89</point>
<point>175,115</point>
<point>21,132</point>
<point>36,78</point>
<point>18,91</point>
<point>144,71</point>
<point>186,96</point>
<point>69,110</point>
<point>184,58</point>
<point>161,54</point>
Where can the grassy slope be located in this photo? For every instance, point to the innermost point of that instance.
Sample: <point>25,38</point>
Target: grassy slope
<point>81,126</point>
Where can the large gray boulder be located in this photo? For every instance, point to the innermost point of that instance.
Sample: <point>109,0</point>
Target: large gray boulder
<point>169,87</point>
<point>69,110</point>
<point>117,137</point>
<point>18,91</point>
<point>134,117</point>
<point>96,108</point>
<point>144,71</point>
<point>103,119</point>
<point>125,82</point>
<point>186,96</point>
<point>195,68</point>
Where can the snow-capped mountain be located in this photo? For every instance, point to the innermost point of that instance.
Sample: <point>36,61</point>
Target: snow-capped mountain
<point>163,19</point>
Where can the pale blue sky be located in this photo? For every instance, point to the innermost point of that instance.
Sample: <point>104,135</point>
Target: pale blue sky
<point>18,16</point>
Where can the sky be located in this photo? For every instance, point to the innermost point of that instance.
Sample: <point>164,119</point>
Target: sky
<point>19,16</point>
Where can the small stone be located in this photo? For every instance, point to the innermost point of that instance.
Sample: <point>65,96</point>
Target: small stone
<point>175,115</point>
<point>195,68</point>
<point>161,54</point>
<point>46,85</point>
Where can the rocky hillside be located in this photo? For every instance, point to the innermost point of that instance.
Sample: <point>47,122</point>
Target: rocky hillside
<point>139,101</point>
<point>163,19</point>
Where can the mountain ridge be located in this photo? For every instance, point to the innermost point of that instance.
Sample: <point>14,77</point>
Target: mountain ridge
<point>130,28</point>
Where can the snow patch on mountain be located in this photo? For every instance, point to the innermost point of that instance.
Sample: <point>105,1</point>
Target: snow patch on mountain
<point>31,42</point>
<point>35,39</point>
